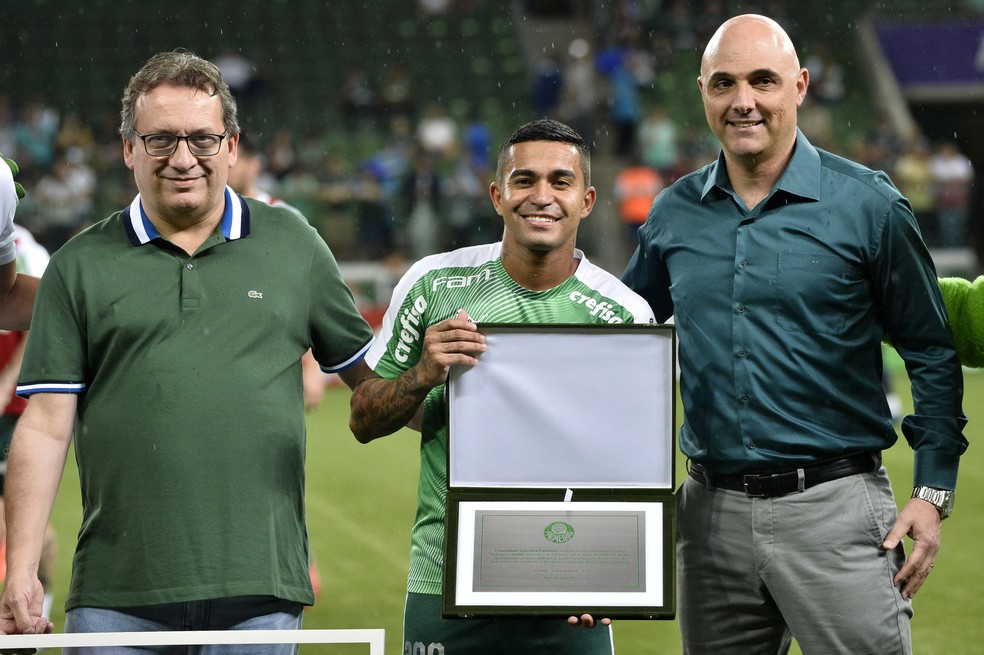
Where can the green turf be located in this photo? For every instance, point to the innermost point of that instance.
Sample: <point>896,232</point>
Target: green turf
<point>361,504</point>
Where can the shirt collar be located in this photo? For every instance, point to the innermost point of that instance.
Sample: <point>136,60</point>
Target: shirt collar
<point>801,177</point>
<point>234,223</point>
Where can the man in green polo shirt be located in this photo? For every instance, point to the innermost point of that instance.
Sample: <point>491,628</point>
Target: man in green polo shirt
<point>171,335</point>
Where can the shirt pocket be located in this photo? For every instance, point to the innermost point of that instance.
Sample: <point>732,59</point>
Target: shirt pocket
<point>815,293</point>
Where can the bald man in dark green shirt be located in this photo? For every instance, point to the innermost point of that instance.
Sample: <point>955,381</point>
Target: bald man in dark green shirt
<point>785,267</point>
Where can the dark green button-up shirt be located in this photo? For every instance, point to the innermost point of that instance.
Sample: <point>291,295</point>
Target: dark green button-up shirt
<point>781,311</point>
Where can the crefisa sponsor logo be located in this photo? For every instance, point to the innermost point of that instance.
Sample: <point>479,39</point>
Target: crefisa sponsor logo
<point>409,328</point>
<point>603,310</point>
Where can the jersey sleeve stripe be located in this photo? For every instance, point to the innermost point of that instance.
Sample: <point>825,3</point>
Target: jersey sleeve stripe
<point>351,360</point>
<point>50,387</point>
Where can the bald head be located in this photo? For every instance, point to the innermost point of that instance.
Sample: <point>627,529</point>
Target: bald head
<point>754,31</point>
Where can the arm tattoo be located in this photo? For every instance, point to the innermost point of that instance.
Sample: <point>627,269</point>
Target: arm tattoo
<point>381,407</point>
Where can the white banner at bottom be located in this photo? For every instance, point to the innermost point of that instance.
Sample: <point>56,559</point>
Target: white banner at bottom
<point>375,638</point>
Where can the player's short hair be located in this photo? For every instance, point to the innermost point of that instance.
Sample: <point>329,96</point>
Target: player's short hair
<point>179,68</point>
<point>546,129</point>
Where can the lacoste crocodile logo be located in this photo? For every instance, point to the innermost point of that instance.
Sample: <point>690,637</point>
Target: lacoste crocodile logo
<point>253,293</point>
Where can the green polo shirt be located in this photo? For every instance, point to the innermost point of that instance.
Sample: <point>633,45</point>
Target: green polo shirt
<point>781,311</point>
<point>190,437</point>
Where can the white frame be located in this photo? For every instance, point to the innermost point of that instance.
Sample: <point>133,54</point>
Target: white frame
<point>376,638</point>
<point>560,406</point>
<point>653,596</point>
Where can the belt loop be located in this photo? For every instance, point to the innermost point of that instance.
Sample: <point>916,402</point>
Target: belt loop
<point>800,480</point>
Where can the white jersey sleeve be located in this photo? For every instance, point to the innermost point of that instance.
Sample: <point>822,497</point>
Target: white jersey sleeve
<point>8,205</point>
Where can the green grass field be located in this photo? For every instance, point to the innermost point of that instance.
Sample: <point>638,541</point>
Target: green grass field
<point>361,501</point>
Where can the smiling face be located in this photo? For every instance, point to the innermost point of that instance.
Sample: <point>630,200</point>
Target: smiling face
<point>751,84</point>
<point>182,189</point>
<point>542,196</point>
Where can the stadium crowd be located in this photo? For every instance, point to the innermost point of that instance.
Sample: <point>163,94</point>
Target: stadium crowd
<point>418,183</point>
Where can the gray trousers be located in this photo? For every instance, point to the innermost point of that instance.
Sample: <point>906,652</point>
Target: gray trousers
<point>754,573</point>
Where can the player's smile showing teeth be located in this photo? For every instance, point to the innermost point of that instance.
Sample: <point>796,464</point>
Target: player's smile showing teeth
<point>540,219</point>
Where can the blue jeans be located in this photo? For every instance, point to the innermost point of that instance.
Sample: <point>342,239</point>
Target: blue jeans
<point>237,613</point>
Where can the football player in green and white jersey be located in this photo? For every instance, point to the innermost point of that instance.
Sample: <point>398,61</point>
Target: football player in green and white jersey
<point>542,190</point>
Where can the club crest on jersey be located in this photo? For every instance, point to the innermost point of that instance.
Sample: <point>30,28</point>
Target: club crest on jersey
<point>603,310</point>
<point>409,328</point>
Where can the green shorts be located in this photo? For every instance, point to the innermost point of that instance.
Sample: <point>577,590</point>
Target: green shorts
<point>426,632</point>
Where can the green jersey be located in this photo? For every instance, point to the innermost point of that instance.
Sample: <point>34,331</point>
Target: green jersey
<point>473,279</point>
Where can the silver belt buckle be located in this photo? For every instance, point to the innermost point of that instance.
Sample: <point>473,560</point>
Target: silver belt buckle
<point>744,482</point>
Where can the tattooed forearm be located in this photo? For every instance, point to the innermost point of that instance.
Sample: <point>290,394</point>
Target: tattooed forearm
<point>380,407</point>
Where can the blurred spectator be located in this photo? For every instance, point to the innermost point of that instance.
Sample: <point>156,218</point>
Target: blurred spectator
<point>696,147</point>
<point>437,133</point>
<point>953,175</point>
<point>579,97</point>
<point>244,80</point>
<point>658,140</point>
<point>281,153</point>
<point>358,98</point>
<point>914,178</point>
<point>826,75</point>
<point>708,19</point>
<point>662,49</point>
<point>681,22</point>
<point>467,195</point>
<point>64,200</point>
<point>311,150</point>
<point>35,135</point>
<point>884,145</point>
<point>429,8</point>
<point>374,218</point>
<point>814,119</point>
<point>635,187</point>
<point>75,135</point>
<point>422,193</point>
<point>477,139</point>
<point>396,93</point>
<point>393,162</point>
<point>334,181</point>
<point>248,176</point>
<point>623,105</point>
<point>548,84</point>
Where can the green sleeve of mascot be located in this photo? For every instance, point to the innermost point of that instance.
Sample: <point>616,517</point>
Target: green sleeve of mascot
<point>965,308</point>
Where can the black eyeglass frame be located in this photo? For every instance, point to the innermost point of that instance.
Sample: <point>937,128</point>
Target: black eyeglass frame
<point>178,140</point>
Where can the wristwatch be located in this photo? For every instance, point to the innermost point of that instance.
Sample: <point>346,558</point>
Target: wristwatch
<point>942,499</point>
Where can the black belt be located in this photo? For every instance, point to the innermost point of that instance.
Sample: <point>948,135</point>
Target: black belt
<point>780,483</point>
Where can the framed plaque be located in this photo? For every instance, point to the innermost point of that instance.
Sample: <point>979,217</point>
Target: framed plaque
<point>561,473</point>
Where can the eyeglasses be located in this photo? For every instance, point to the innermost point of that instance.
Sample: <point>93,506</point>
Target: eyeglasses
<point>164,145</point>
